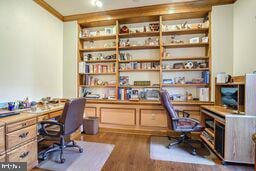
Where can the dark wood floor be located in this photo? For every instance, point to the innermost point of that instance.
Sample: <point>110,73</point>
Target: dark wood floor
<point>131,153</point>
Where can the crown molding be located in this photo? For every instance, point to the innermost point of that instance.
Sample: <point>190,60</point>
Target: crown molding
<point>188,8</point>
<point>50,9</point>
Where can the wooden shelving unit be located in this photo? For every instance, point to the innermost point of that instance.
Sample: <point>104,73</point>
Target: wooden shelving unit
<point>185,45</point>
<point>186,58</point>
<point>140,70</point>
<point>139,34</point>
<point>186,31</point>
<point>92,38</point>
<point>138,47</point>
<point>185,85</point>
<point>185,70</point>
<point>160,35</point>
<point>98,49</point>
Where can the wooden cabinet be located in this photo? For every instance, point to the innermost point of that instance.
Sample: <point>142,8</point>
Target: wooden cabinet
<point>19,125</point>
<point>90,111</point>
<point>17,137</point>
<point>42,118</point>
<point>2,139</point>
<point>153,118</point>
<point>26,153</point>
<point>2,158</point>
<point>118,116</point>
<point>137,117</point>
<point>229,135</point>
<point>55,114</point>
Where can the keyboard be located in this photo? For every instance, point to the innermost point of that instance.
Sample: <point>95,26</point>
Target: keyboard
<point>3,115</point>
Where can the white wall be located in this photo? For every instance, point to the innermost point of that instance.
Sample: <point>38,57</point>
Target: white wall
<point>31,51</point>
<point>222,41</point>
<point>70,39</point>
<point>244,36</point>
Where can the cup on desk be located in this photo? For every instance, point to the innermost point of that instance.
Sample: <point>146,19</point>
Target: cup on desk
<point>11,106</point>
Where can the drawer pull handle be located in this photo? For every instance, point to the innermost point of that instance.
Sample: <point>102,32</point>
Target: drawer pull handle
<point>24,155</point>
<point>23,135</point>
<point>24,124</point>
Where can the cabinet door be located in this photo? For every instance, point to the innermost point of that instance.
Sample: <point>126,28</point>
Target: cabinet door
<point>2,140</point>
<point>90,111</point>
<point>118,116</point>
<point>153,118</point>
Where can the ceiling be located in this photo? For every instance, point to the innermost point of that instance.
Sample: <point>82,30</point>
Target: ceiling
<point>72,7</point>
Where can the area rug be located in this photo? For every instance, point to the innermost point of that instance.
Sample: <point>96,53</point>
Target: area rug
<point>179,153</point>
<point>92,159</point>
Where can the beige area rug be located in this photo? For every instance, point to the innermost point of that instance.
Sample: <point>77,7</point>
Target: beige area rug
<point>179,153</point>
<point>92,159</point>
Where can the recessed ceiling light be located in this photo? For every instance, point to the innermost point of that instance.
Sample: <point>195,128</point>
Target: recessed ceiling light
<point>97,3</point>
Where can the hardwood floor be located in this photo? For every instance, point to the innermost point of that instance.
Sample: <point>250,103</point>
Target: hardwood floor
<point>131,153</point>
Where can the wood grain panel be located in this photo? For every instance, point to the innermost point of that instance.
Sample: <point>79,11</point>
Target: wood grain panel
<point>26,153</point>
<point>42,118</point>
<point>191,9</point>
<point>194,114</point>
<point>153,118</point>
<point>118,116</point>
<point>55,114</point>
<point>50,9</point>
<point>2,139</point>
<point>20,125</point>
<point>15,138</point>
<point>2,158</point>
<point>239,145</point>
<point>90,111</point>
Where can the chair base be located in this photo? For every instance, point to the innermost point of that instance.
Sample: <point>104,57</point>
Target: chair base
<point>59,147</point>
<point>184,138</point>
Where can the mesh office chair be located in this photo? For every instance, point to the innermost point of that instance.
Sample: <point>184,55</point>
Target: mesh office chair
<point>184,125</point>
<point>70,121</point>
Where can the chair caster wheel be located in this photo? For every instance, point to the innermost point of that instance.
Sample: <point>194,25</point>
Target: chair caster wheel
<point>223,163</point>
<point>44,158</point>
<point>62,160</point>
<point>168,146</point>
<point>193,152</point>
<point>81,150</point>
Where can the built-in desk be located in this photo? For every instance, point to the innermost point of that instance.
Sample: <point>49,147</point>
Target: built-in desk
<point>228,134</point>
<point>140,117</point>
<point>18,135</point>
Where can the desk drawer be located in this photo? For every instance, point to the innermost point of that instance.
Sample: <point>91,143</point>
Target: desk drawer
<point>55,114</point>
<point>15,138</point>
<point>2,158</point>
<point>26,153</point>
<point>42,118</point>
<point>20,125</point>
<point>2,140</point>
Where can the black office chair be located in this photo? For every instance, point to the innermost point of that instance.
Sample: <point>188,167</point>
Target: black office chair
<point>184,125</point>
<point>69,122</point>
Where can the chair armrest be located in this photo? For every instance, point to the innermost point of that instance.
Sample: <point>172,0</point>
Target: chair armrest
<point>185,114</point>
<point>189,120</point>
<point>44,124</point>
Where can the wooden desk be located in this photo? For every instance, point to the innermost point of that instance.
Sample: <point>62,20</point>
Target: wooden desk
<point>238,145</point>
<point>18,135</point>
<point>138,117</point>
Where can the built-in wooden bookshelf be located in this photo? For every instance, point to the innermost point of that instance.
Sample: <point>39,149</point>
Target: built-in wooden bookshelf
<point>161,34</point>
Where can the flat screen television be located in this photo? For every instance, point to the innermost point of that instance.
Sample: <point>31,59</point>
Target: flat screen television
<point>229,97</point>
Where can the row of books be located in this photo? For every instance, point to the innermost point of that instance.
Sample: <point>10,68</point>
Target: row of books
<point>139,65</point>
<point>206,77</point>
<point>94,81</point>
<point>96,68</point>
